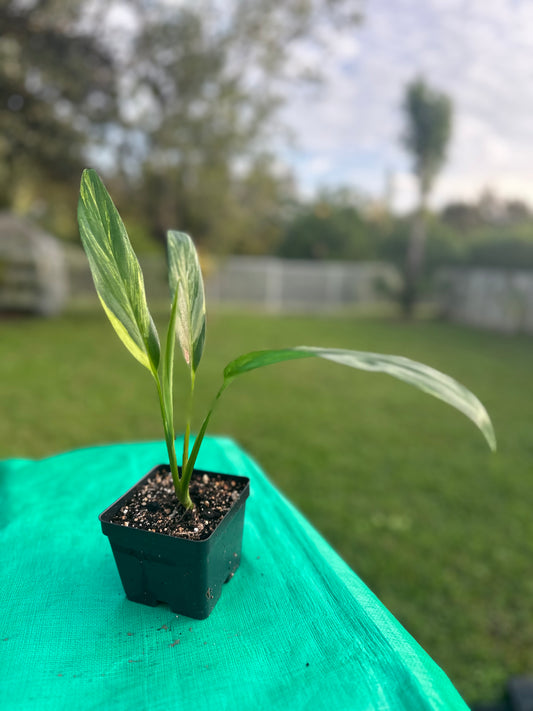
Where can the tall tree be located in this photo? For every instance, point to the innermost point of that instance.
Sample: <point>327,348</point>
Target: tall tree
<point>56,90</point>
<point>428,116</point>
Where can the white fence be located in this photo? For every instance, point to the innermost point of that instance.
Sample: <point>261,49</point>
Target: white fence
<point>294,285</point>
<point>267,283</point>
<point>496,299</point>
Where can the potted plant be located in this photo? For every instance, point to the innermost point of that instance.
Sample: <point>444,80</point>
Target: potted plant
<point>176,535</point>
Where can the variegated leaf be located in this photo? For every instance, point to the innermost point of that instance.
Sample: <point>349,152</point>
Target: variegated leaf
<point>116,271</point>
<point>185,275</point>
<point>421,376</point>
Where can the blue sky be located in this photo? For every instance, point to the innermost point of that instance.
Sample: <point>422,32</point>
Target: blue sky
<point>479,52</point>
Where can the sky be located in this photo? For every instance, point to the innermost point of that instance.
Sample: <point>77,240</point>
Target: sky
<point>479,52</point>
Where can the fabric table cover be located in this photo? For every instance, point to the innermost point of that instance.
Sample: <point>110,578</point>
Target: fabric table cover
<point>294,629</point>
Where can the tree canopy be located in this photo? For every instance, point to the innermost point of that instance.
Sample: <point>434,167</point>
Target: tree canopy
<point>428,129</point>
<point>174,103</point>
<point>428,117</point>
<point>57,89</point>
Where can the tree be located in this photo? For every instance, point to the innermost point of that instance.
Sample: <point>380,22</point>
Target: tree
<point>209,88</point>
<point>56,92</point>
<point>462,216</point>
<point>174,103</point>
<point>333,226</point>
<point>428,116</point>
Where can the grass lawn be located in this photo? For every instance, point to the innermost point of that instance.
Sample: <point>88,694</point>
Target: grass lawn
<point>401,485</point>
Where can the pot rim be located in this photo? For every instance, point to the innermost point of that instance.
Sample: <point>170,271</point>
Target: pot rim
<point>104,517</point>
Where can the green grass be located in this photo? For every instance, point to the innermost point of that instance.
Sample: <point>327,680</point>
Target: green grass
<point>401,485</point>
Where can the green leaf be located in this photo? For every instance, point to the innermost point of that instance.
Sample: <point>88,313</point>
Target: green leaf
<point>188,470</point>
<point>185,275</point>
<point>116,271</point>
<point>421,376</point>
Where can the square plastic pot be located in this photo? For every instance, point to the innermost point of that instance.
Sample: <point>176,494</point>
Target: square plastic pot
<point>187,575</point>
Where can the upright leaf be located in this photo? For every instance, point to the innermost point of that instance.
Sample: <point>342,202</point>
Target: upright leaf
<point>185,275</point>
<point>421,376</point>
<point>116,272</point>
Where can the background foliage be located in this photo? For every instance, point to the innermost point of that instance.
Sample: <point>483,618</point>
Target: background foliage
<point>175,103</point>
<point>182,118</point>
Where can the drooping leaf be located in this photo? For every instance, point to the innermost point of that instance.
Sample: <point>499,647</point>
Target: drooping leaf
<point>185,275</point>
<point>116,271</point>
<point>421,376</point>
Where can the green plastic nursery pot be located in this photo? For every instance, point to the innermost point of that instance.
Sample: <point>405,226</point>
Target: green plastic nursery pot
<point>187,575</point>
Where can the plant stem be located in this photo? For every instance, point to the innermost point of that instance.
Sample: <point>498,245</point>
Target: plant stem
<point>182,492</point>
<point>187,472</point>
<point>187,434</point>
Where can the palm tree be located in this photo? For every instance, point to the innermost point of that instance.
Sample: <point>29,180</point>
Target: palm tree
<point>428,129</point>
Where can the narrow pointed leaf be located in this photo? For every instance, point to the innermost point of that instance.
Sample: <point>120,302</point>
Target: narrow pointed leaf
<point>421,376</point>
<point>116,271</point>
<point>185,275</point>
<point>200,436</point>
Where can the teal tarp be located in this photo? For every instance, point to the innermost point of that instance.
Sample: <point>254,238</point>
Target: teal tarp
<point>294,629</point>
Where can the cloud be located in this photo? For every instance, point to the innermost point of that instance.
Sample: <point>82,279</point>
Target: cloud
<point>479,53</point>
